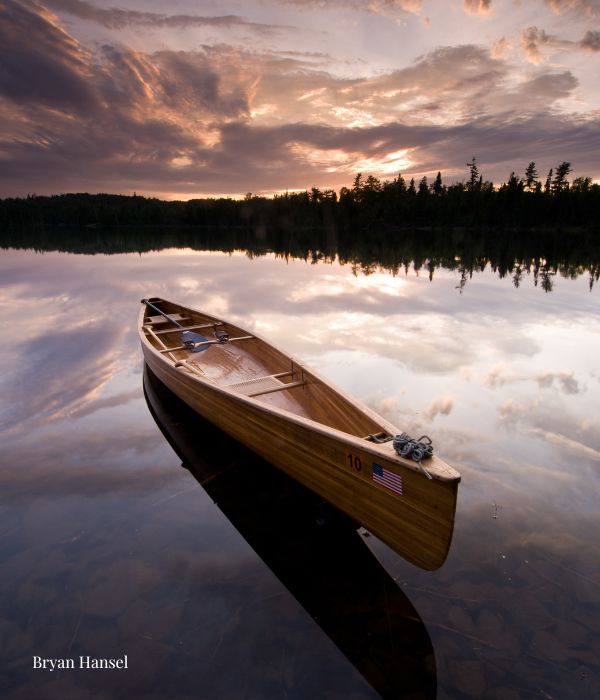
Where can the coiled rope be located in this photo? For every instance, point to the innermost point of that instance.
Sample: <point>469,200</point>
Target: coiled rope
<point>417,450</point>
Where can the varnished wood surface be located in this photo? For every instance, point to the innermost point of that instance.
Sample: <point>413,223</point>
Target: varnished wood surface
<point>315,434</point>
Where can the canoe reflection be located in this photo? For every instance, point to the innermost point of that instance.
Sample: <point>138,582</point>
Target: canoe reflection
<point>312,548</point>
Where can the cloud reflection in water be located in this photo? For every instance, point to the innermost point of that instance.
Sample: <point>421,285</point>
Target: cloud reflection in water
<point>501,379</point>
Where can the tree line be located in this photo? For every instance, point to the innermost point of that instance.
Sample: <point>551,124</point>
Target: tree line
<point>541,255</point>
<point>525,202</point>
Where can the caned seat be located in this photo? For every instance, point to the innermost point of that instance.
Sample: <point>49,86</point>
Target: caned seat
<point>259,384</point>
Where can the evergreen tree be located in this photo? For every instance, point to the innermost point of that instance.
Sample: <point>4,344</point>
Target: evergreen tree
<point>548,184</point>
<point>560,183</point>
<point>437,187</point>
<point>581,184</point>
<point>411,187</point>
<point>372,184</point>
<point>514,182</point>
<point>423,186</point>
<point>474,177</point>
<point>531,177</point>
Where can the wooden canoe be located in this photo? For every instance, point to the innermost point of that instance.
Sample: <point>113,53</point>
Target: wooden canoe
<point>298,421</point>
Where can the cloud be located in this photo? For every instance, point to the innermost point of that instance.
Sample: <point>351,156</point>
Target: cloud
<point>441,405</point>
<point>533,40</point>
<point>39,396</point>
<point>498,376</point>
<point>222,119</point>
<point>500,48</point>
<point>566,443</point>
<point>566,380</point>
<point>115,18</point>
<point>41,63</point>
<point>477,7</point>
<point>552,424</point>
<point>587,8</point>
<point>108,402</point>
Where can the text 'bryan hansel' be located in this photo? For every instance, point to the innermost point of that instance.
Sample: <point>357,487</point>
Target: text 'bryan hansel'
<point>87,662</point>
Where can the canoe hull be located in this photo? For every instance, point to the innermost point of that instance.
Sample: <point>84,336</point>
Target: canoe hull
<point>418,523</point>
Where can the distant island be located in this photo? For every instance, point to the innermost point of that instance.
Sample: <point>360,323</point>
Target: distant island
<point>523,202</point>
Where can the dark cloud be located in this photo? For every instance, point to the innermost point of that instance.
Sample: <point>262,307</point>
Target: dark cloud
<point>550,86</point>
<point>39,61</point>
<point>228,120</point>
<point>115,18</point>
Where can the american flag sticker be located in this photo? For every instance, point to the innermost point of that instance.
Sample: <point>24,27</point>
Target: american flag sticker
<point>387,479</point>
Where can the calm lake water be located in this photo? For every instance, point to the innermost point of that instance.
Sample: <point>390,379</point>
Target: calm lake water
<point>109,548</point>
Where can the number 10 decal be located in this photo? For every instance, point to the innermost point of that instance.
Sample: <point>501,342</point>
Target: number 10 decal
<point>354,461</point>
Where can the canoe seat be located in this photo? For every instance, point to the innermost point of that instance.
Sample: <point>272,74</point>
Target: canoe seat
<point>262,385</point>
<point>249,386</point>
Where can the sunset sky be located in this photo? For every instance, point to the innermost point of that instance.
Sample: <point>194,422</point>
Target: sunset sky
<point>188,98</point>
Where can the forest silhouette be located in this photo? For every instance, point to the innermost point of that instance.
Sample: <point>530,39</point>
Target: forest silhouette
<point>525,202</point>
<point>525,227</point>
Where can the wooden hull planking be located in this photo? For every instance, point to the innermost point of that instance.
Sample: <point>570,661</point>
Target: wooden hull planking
<point>332,461</point>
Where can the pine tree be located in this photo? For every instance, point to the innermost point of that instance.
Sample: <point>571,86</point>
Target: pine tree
<point>437,187</point>
<point>548,184</point>
<point>560,182</point>
<point>473,176</point>
<point>531,176</point>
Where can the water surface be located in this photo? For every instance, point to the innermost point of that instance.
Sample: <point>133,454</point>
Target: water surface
<point>109,547</point>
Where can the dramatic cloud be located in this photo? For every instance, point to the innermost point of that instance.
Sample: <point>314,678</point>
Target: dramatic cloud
<point>113,115</point>
<point>41,63</point>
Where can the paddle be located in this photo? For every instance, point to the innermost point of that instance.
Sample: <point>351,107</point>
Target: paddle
<point>193,341</point>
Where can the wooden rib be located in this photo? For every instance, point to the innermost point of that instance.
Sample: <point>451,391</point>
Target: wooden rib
<point>158,340</point>
<point>191,366</point>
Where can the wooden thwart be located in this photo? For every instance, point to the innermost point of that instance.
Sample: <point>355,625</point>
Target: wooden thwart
<point>283,386</point>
